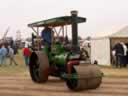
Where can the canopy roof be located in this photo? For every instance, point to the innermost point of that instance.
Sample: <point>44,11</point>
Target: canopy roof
<point>113,31</point>
<point>58,21</point>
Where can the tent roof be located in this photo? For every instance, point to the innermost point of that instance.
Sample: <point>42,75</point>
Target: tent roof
<point>123,32</point>
<point>115,31</point>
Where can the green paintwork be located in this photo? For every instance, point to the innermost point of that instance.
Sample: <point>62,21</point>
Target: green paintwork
<point>57,55</point>
<point>70,76</point>
<point>60,59</point>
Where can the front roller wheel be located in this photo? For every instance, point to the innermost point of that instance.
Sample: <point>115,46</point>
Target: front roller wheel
<point>85,77</point>
<point>39,66</point>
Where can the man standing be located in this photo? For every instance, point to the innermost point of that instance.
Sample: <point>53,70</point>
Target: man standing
<point>46,34</point>
<point>119,52</point>
<point>3,53</point>
<point>11,55</point>
<point>26,53</point>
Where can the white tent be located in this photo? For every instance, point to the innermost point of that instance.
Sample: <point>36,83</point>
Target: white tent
<point>102,43</point>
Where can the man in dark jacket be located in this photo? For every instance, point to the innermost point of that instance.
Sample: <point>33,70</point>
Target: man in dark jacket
<point>47,35</point>
<point>119,54</point>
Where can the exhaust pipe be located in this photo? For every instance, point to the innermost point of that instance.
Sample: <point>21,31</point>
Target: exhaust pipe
<point>75,47</point>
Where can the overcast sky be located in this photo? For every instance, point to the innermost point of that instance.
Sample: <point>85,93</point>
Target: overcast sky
<point>100,14</point>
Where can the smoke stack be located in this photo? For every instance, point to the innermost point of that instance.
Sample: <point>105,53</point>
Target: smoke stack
<point>75,46</point>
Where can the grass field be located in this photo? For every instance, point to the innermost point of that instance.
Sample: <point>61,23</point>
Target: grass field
<point>22,69</point>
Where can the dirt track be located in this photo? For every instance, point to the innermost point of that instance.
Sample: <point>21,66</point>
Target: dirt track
<point>23,86</point>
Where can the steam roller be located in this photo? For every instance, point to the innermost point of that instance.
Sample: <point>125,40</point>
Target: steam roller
<point>53,54</point>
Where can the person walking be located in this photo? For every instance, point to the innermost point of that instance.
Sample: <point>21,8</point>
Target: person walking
<point>26,53</point>
<point>11,55</point>
<point>3,53</point>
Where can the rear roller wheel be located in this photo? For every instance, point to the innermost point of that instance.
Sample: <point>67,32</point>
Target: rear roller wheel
<point>39,66</point>
<point>87,77</point>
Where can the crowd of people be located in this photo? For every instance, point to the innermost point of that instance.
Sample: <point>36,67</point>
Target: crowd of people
<point>7,51</point>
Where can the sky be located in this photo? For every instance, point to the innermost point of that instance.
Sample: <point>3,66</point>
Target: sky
<point>100,14</point>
